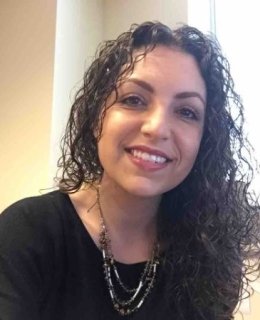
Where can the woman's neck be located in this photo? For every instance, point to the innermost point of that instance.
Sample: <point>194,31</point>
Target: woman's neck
<point>130,220</point>
<point>127,212</point>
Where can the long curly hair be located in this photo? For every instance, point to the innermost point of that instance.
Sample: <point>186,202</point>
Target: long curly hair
<point>210,223</point>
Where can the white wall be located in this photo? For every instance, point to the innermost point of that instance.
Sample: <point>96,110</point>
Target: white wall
<point>79,29</point>
<point>199,15</point>
<point>27,33</point>
<point>120,14</point>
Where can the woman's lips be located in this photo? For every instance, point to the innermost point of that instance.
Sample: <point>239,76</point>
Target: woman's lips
<point>147,158</point>
<point>148,150</point>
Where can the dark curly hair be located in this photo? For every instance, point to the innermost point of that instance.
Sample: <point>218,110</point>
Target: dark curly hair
<point>210,223</point>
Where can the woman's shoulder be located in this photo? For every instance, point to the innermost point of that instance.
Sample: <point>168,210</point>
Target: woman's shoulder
<point>31,222</point>
<point>34,206</point>
<point>32,249</point>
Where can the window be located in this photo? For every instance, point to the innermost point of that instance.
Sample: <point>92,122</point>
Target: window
<point>236,24</point>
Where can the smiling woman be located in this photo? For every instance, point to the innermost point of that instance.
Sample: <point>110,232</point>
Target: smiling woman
<point>151,134</point>
<point>153,218</point>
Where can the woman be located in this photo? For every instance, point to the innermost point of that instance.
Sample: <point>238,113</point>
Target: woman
<point>153,218</point>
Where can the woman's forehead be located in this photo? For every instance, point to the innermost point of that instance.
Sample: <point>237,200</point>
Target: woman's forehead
<point>165,65</point>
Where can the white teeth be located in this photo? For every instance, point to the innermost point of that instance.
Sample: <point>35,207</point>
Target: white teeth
<point>148,157</point>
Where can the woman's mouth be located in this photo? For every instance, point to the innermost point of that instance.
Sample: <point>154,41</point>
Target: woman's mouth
<point>147,156</point>
<point>148,159</point>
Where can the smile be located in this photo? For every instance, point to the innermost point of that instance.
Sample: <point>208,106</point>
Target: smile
<point>147,156</point>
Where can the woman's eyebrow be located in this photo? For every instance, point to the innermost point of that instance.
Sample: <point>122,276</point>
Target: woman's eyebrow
<point>182,95</point>
<point>145,85</point>
<point>190,94</point>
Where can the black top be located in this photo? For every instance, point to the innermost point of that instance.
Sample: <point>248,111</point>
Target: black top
<point>50,268</point>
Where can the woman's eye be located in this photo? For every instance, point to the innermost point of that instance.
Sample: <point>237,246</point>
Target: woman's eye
<point>133,101</point>
<point>188,113</point>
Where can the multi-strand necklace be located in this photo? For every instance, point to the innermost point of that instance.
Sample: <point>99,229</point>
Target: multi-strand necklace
<point>131,299</point>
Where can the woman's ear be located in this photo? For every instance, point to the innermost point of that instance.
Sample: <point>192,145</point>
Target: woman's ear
<point>97,128</point>
<point>95,132</point>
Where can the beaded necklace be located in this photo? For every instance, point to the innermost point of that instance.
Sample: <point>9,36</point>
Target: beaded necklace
<point>132,298</point>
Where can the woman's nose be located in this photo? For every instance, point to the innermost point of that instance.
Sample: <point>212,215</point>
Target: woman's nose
<point>156,124</point>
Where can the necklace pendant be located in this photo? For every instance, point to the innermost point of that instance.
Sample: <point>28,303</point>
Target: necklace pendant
<point>122,312</point>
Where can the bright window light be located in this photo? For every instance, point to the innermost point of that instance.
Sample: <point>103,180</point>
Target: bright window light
<point>236,24</point>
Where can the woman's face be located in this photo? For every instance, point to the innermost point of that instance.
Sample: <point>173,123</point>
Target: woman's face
<point>152,133</point>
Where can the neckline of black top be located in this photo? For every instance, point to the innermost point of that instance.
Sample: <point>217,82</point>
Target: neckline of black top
<point>76,219</point>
